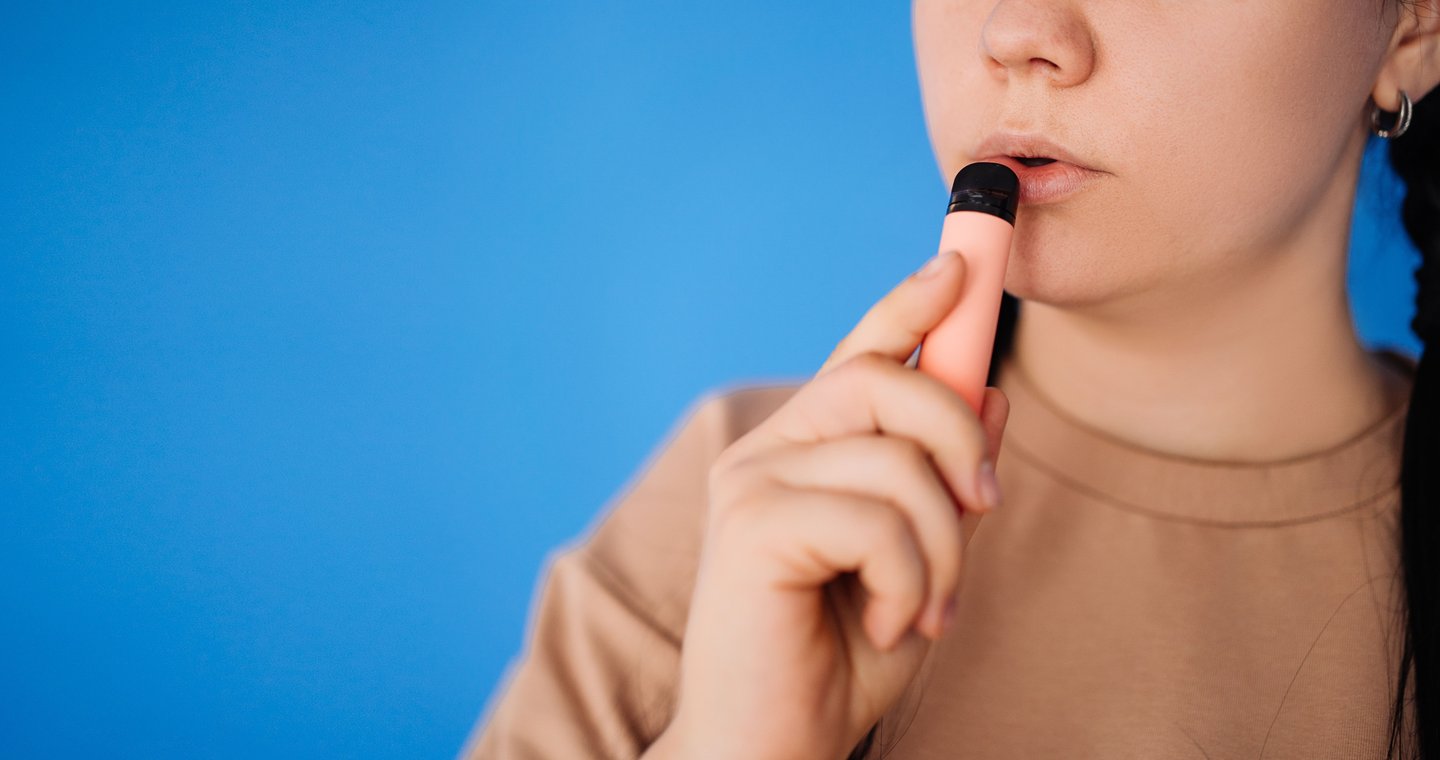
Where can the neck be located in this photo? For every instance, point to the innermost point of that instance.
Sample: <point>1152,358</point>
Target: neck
<point>1256,363</point>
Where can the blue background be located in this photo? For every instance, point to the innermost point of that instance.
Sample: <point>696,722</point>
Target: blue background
<point>324,322</point>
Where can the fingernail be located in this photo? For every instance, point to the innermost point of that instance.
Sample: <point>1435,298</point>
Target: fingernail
<point>989,486</point>
<point>935,264</point>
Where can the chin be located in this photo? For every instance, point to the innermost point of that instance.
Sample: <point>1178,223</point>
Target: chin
<point>1064,276</point>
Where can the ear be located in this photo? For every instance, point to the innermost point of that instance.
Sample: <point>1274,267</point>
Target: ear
<point>1413,61</point>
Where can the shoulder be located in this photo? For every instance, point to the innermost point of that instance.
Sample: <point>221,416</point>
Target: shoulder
<point>709,423</point>
<point>645,541</point>
<point>732,411</point>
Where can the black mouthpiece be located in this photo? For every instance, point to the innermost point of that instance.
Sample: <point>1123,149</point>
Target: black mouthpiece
<point>985,186</point>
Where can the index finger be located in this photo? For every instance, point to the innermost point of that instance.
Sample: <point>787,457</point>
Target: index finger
<point>895,325</point>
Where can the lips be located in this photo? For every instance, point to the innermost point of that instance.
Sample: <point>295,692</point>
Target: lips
<point>1047,171</point>
<point>1049,180</point>
<point>1017,145</point>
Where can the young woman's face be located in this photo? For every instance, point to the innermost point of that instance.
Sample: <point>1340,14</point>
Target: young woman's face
<point>1225,129</point>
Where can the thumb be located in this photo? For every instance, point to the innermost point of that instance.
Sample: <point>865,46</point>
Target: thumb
<point>895,325</point>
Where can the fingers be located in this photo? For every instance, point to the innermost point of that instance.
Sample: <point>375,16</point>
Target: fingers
<point>895,325</point>
<point>872,394</point>
<point>898,472</point>
<point>813,536</point>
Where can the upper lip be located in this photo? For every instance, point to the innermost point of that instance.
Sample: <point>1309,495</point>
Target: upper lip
<point>1025,146</point>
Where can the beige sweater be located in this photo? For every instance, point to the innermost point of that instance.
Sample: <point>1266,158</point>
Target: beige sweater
<point>1122,604</point>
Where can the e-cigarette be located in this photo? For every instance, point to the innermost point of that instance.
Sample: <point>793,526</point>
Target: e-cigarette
<point>979,223</point>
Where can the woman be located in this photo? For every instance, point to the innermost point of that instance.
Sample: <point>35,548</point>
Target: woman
<point>1216,502</point>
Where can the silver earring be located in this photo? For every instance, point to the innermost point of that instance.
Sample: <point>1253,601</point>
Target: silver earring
<point>1402,120</point>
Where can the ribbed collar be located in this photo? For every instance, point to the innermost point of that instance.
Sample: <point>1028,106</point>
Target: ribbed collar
<point>1349,475</point>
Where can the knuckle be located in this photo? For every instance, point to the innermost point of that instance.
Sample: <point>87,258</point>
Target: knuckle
<point>729,455</point>
<point>867,368</point>
<point>740,477</point>
<point>858,369</point>
<point>870,361</point>
<point>735,488</point>
<point>908,457</point>
<point>717,482</point>
<point>889,528</point>
<point>719,474</point>
<point>912,592</point>
<point>917,473</point>
<point>737,521</point>
<point>853,362</point>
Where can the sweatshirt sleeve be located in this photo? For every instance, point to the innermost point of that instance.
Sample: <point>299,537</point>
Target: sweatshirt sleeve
<point>598,673</point>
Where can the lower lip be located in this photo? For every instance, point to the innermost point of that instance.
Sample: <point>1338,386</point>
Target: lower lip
<point>1052,182</point>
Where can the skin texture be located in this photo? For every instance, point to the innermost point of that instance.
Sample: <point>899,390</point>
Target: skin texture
<point>1177,303</point>
<point>1193,300</point>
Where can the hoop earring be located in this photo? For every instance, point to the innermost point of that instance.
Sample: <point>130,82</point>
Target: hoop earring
<point>1402,120</point>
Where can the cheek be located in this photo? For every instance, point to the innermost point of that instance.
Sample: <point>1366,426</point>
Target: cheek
<point>1212,162</point>
<point>1220,141</point>
<point>1085,253</point>
<point>957,97</point>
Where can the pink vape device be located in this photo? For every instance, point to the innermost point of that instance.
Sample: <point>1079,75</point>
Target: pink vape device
<point>979,223</point>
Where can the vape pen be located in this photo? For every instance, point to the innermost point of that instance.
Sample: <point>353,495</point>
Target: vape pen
<point>979,223</point>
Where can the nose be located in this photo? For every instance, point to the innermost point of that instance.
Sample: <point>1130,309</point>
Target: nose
<point>1038,38</point>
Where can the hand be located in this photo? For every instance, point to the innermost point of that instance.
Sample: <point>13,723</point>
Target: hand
<point>833,544</point>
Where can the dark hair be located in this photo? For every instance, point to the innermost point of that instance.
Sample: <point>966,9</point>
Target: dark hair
<point>1415,157</point>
